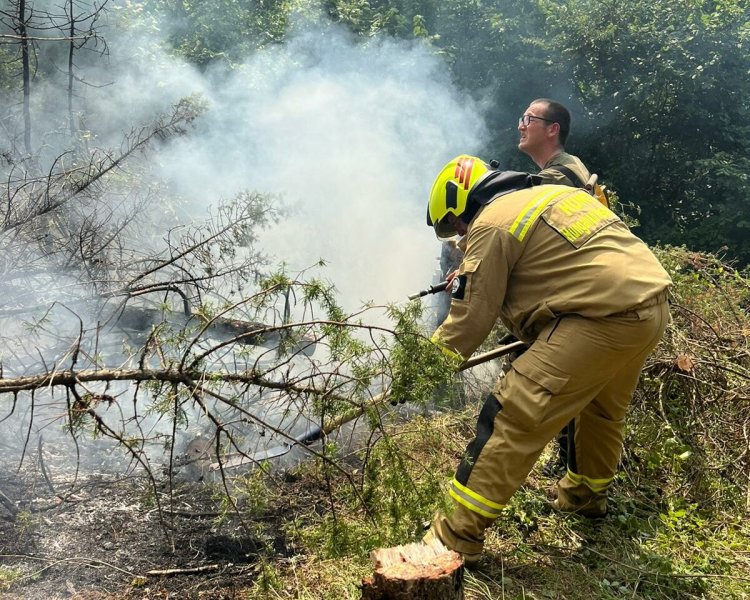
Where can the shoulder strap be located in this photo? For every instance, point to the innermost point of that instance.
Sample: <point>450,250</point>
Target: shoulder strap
<point>570,174</point>
<point>499,183</point>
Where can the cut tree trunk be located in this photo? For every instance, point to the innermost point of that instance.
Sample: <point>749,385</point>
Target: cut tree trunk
<point>415,572</point>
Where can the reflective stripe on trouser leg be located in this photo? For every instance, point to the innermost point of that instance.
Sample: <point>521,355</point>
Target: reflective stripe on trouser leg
<point>463,529</point>
<point>473,501</point>
<point>498,461</point>
<point>585,495</point>
<point>595,485</point>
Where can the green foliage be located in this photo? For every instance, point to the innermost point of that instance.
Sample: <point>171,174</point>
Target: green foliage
<point>221,30</point>
<point>667,81</point>
<point>8,576</point>
<point>419,367</point>
<point>688,432</point>
<point>401,485</point>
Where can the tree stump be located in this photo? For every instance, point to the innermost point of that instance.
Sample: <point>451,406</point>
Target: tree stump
<point>415,572</point>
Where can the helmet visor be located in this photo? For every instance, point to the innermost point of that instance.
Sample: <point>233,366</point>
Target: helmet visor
<point>444,230</point>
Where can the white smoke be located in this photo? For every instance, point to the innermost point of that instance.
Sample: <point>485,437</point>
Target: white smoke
<point>351,136</point>
<point>349,133</point>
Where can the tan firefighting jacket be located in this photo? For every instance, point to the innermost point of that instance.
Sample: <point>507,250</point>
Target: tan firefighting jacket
<point>550,175</point>
<point>539,253</point>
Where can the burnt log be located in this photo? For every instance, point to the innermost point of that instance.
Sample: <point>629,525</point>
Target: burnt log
<point>415,572</point>
<point>250,333</point>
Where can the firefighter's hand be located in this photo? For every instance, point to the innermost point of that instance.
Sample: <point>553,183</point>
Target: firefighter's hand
<point>509,358</point>
<point>449,279</point>
<point>509,338</point>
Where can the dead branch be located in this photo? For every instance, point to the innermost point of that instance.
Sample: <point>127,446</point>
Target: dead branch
<point>8,504</point>
<point>68,378</point>
<point>183,571</point>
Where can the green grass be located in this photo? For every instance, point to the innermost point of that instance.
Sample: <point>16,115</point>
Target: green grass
<point>8,576</point>
<point>646,548</point>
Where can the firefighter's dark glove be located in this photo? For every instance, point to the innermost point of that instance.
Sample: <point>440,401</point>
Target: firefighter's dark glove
<point>509,338</point>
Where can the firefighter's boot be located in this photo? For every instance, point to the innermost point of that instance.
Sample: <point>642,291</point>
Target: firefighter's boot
<point>580,499</point>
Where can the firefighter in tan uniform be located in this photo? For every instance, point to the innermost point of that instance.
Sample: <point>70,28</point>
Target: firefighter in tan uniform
<point>543,130</point>
<point>565,275</point>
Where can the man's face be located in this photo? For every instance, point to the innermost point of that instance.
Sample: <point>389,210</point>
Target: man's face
<point>457,223</point>
<point>537,133</point>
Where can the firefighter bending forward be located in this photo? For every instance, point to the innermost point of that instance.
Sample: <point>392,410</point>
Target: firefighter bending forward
<point>567,277</point>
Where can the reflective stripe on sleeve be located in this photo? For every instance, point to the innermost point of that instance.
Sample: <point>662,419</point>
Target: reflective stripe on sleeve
<point>595,485</point>
<point>531,212</point>
<point>474,502</point>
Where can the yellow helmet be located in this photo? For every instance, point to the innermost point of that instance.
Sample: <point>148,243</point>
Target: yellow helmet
<point>450,192</point>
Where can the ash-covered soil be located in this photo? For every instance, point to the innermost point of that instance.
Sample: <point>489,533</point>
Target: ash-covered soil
<point>96,532</point>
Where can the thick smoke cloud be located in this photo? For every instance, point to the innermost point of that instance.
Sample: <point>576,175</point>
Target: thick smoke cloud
<point>349,133</point>
<point>350,136</point>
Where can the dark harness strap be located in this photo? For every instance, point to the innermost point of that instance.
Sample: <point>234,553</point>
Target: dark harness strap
<point>570,174</point>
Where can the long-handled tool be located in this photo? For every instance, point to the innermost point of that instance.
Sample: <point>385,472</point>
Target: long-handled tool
<point>316,433</point>
<point>433,289</point>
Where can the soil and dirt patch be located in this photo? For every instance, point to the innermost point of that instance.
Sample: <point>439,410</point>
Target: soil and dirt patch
<point>96,535</point>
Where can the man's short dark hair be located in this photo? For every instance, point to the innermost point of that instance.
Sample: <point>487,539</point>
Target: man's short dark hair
<point>554,111</point>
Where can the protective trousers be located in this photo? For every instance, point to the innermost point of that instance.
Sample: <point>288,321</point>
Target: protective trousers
<point>578,368</point>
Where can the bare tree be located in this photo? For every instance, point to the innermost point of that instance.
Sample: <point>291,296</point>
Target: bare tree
<point>24,26</point>
<point>124,324</point>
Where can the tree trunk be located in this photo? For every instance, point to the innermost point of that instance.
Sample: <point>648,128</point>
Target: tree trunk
<point>415,572</point>
<point>71,51</point>
<point>21,29</point>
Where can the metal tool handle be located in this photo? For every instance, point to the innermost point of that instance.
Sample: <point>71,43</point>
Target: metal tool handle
<point>433,289</point>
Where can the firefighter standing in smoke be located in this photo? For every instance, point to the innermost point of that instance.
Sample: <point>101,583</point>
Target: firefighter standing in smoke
<point>566,276</point>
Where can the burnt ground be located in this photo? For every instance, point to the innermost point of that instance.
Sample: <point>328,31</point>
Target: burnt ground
<point>98,534</point>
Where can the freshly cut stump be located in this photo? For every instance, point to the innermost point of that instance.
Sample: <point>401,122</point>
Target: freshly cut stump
<point>415,572</point>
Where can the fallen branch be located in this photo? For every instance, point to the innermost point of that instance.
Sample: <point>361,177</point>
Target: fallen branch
<point>185,571</point>
<point>233,460</point>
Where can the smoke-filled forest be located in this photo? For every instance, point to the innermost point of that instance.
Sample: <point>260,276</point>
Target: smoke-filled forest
<point>213,383</point>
